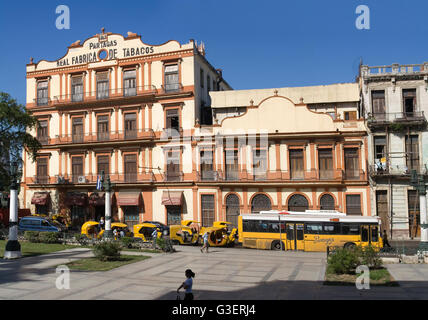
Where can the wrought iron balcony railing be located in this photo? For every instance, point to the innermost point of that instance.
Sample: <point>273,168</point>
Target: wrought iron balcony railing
<point>105,136</point>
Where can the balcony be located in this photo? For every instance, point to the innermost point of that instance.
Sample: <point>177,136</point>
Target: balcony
<point>313,175</point>
<point>175,132</point>
<point>175,176</point>
<point>96,96</point>
<point>112,136</point>
<point>353,174</point>
<point>208,175</point>
<point>394,70</point>
<point>171,88</point>
<point>145,177</point>
<point>376,120</point>
<point>38,179</point>
<point>395,171</point>
<point>44,140</point>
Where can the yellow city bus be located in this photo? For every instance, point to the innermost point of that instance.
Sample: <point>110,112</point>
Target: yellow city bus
<point>312,230</point>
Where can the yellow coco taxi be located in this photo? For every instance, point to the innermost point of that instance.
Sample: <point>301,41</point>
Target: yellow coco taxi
<point>93,230</point>
<point>144,230</point>
<point>185,233</point>
<point>220,235</point>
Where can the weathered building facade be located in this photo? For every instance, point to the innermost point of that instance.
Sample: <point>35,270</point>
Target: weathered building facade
<point>395,103</point>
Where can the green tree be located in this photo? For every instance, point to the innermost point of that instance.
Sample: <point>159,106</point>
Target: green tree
<point>15,120</point>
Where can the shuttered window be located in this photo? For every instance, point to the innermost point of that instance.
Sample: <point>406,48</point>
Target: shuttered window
<point>130,82</point>
<point>353,204</point>
<point>102,85</point>
<point>130,168</point>
<point>296,164</point>
<point>103,164</point>
<point>207,208</point>
<point>42,93</point>
<point>378,104</point>
<point>412,152</point>
<point>325,159</point>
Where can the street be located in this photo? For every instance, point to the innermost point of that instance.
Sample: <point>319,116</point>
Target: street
<point>222,274</point>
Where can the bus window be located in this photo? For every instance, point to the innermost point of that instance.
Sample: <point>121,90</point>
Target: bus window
<point>330,228</point>
<point>350,228</point>
<point>375,234</point>
<point>313,228</point>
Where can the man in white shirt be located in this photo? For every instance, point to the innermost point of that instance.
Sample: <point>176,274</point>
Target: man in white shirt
<point>205,239</point>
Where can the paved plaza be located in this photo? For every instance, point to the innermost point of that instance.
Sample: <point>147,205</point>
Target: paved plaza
<point>222,274</point>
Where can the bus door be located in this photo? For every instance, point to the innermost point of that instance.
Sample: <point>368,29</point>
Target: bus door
<point>374,235</point>
<point>365,235</point>
<point>295,236</point>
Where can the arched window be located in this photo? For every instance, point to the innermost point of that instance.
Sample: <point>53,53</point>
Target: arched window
<point>260,203</point>
<point>232,209</point>
<point>327,202</point>
<point>298,202</point>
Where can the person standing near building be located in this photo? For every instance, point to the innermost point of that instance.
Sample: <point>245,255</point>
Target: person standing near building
<point>205,239</point>
<point>385,239</point>
<point>187,285</point>
<point>154,237</point>
<point>102,223</point>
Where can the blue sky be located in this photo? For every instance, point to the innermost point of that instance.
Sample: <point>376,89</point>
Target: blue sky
<point>258,44</point>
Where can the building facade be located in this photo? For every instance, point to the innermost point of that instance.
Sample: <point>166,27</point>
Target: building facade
<point>112,104</point>
<point>178,143</point>
<point>395,102</point>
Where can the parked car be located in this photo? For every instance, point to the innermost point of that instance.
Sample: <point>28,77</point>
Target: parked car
<point>35,223</point>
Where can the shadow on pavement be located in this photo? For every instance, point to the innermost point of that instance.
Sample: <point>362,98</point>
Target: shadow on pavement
<point>311,290</point>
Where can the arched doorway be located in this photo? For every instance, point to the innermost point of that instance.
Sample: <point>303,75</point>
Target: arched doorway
<point>298,202</point>
<point>327,202</point>
<point>259,203</point>
<point>232,209</point>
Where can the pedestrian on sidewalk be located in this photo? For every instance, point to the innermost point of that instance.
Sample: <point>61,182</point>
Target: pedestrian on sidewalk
<point>187,285</point>
<point>154,237</point>
<point>385,239</point>
<point>205,239</point>
<point>102,223</point>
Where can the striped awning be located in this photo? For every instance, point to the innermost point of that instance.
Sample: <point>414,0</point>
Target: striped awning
<point>127,198</point>
<point>172,198</point>
<point>40,198</point>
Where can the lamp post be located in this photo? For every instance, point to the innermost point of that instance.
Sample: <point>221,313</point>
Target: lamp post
<point>418,182</point>
<point>13,248</point>
<point>108,233</point>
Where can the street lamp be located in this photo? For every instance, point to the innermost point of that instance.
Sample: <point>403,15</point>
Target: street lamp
<point>108,233</point>
<point>418,182</point>
<point>13,248</point>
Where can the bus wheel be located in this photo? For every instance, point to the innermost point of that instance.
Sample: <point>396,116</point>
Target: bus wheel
<point>349,245</point>
<point>276,245</point>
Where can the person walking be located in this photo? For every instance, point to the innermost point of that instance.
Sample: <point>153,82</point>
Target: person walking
<point>205,239</point>
<point>102,223</point>
<point>187,285</point>
<point>154,237</point>
<point>385,239</point>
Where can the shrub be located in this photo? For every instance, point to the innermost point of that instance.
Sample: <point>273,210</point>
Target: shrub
<point>346,260</point>
<point>369,257</point>
<point>107,251</point>
<point>49,237</point>
<point>32,236</point>
<point>343,261</point>
<point>165,245</point>
<point>81,238</point>
<point>127,242</point>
